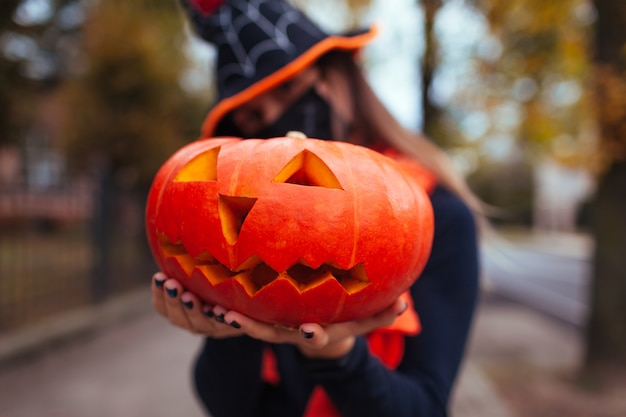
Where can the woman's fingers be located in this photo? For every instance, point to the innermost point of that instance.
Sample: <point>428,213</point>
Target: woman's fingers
<point>310,334</point>
<point>158,301</point>
<point>196,315</point>
<point>187,311</point>
<point>336,340</point>
<point>174,306</point>
<point>255,329</point>
<point>320,335</point>
<point>382,319</point>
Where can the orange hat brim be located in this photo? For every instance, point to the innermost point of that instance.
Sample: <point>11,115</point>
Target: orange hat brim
<point>333,42</point>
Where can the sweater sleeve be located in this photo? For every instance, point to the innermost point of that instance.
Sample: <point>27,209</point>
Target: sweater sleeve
<point>445,298</point>
<point>226,376</point>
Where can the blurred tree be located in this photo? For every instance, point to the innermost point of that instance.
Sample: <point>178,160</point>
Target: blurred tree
<point>33,40</point>
<point>8,71</point>
<point>432,125</point>
<point>606,331</point>
<point>428,66</point>
<point>533,70</point>
<point>521,97</point>
<point>127,110</point>
<point>539,62</point>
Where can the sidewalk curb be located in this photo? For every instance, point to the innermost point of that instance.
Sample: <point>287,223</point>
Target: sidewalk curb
<point>568,245</point>
<point>65,327</point>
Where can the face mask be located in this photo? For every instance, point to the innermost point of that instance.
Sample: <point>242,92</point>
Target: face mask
<point>310,114</point>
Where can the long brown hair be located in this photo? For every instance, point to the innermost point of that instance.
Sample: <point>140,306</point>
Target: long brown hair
<point>372,122</point>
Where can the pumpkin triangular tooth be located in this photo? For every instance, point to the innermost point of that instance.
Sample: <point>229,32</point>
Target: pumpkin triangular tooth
<point>255,279</point>
<point>215,273</point>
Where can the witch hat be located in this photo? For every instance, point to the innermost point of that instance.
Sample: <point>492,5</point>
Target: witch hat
<point>260,44</point>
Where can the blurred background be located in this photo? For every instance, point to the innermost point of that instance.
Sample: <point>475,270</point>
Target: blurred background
<point>527,96</point>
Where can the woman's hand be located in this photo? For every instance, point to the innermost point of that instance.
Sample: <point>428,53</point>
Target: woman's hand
<point>185,310</point>
<point>332,341</point>
<point>315,341</point>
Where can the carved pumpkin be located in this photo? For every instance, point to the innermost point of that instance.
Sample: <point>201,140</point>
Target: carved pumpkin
<point>289,230</point>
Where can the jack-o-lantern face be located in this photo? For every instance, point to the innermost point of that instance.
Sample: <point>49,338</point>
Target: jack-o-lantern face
<point>289,230</point>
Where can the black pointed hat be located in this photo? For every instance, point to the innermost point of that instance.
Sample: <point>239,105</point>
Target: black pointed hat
<point>260,44</point>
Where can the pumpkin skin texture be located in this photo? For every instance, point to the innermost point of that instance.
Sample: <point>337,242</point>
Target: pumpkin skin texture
<point>289,230</point>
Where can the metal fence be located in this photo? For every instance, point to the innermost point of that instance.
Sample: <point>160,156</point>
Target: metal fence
<point>67,247</point>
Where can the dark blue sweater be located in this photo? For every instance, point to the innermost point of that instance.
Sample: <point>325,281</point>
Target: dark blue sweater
<point>227,371</point>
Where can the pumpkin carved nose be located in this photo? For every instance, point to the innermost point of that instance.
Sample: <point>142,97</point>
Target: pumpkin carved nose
<point>233,212</point>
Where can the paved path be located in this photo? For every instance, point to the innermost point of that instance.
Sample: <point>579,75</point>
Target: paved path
<point>138,366</point>
<point>550,272</point>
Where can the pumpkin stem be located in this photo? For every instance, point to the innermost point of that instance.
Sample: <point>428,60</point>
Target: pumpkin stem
<point>295,134</point>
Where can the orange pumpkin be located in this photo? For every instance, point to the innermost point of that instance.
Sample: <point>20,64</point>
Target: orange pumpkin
<point>289,230</point>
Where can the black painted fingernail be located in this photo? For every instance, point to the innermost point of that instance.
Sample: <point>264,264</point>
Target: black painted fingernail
<point>235,324</point>
<point>209,313</point>
<point>219,317</point>
<point>172,292</point>
<point>306,335</point>
<point>188,304</point>
<point>158,282</point>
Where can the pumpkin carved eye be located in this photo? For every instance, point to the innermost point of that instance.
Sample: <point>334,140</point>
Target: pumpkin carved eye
<point>306,168</point>
<point>201,168</point>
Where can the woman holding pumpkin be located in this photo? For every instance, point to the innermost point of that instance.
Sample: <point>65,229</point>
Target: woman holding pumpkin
<point>277,72</point>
